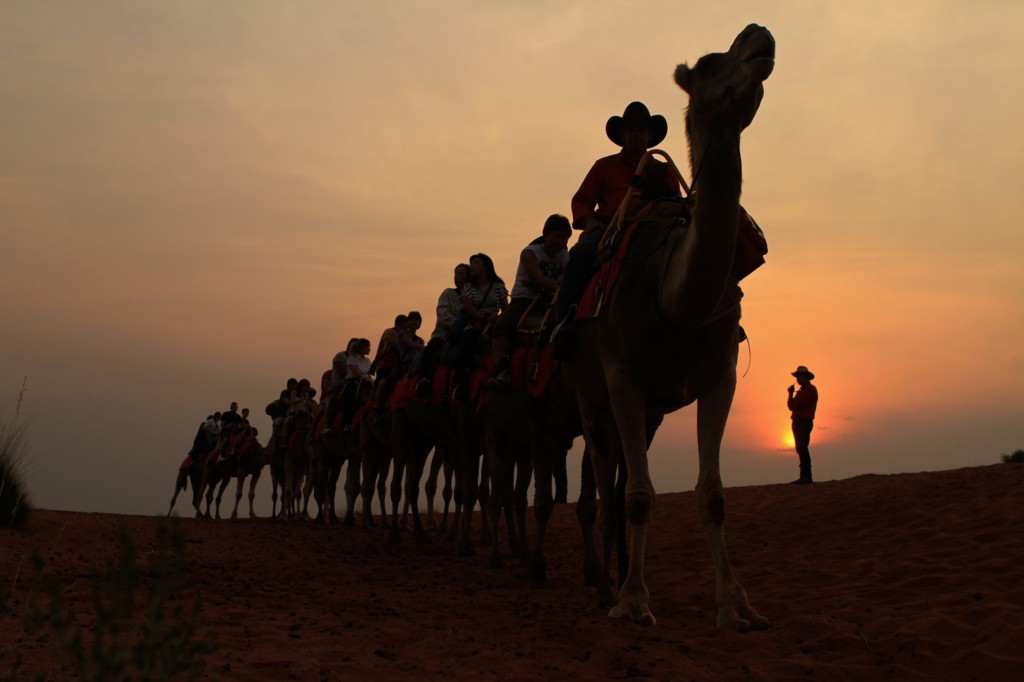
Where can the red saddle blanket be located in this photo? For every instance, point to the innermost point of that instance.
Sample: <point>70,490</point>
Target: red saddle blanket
<point>441,388</point>
<point>532,374</point>
<point>186,464</point>
<point>751,247</point>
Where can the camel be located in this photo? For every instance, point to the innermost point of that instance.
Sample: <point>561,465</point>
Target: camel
<point>507,440</point>
<point>417,423</point>
<point>190,470</point>
<point>375,454</point>
<point>248,461</point>
<point>524,434</point>
<point>668,335</point>
<point>411,445</point>
<point>331,450</point>
<point>297,455</point>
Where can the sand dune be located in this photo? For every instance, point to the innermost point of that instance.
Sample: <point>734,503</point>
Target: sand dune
<point>909,576</point>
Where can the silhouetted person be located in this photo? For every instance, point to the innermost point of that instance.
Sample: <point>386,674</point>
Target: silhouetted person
<point>803,403</point>
<point>609,180</point>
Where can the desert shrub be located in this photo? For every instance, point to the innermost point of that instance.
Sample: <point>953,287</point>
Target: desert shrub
<point>141,626</point>
<point>14,498</point>
<point>1017,456</point>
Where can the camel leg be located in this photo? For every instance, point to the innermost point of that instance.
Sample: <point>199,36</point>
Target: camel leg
<point>307,490</point>
<point>351,489</point>
<point>519,542</point>
<point>470,491</point>
<point>239,487</point>
<point>332,489</point>
<point>630,420</point>
<point>397,477</point>
<point>220,492</point>
<point>734,611</point>
<point>446,492</point>
<point>180,484</point>
<point>413,474</point>
<point>366,492</point>
<point>382,487</point>
<point>487,530</point>
<point>499,469</point>
<point>543,502</point>
<point>252,493</point>
<point>430,487</point>
<point>586,514</point>
<point>288,491</point>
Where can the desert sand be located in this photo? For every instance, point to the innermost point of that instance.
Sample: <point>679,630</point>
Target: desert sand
<point>906,576</point>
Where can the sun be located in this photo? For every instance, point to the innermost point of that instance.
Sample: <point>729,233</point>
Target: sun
<point>787,439</point>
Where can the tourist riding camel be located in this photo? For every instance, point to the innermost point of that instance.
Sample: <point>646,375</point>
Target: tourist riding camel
<point>541,265</point>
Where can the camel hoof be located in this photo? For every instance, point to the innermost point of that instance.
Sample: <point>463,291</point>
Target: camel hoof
<point>640,615</point>
<point>756,623</point>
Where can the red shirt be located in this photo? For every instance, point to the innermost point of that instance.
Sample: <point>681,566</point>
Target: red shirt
<point>804,402</point>
<point>608,182</point>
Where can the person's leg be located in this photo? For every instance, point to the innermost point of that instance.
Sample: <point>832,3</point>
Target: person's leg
<point>577,273</point>
<point>802,439</point>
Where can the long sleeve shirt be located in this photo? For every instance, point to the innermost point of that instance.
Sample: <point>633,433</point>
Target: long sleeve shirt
<point>804,402</point>
<point>608,181</point>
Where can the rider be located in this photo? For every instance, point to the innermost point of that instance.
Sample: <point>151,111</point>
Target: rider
<point>358,365</point>
<point>483,298</point>
<point>449,311</point>
<point>603,189</point>
<point>339,369</point>
<point>541,265</point>
<point>387,362</point>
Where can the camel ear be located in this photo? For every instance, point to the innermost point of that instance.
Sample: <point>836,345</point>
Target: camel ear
<point>682,76</point>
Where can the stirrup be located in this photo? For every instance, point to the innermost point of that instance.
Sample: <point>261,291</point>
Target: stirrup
<point>565,324</point>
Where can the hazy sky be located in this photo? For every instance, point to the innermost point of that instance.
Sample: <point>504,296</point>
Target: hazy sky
<point>199,200</point>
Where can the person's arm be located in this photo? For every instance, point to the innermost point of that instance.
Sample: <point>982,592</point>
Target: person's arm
<point>469,307</point>
<point>586,200</point>
<point>805,398</point>
<point>531,266</point>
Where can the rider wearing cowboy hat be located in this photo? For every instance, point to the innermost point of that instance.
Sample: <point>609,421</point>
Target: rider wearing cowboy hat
<point>803,403</point>
<point>604,188</point>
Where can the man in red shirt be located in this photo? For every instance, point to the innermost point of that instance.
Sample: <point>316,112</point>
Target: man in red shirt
<point>604,188</point>
<point>803,404</point>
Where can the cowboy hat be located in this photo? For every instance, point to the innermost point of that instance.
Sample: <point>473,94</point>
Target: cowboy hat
<point>803,370</point>
<point>636,111</point>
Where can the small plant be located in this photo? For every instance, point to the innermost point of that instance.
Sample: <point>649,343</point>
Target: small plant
<point>1017,456</point>
<point>14,499</point>
<point>139,627</point>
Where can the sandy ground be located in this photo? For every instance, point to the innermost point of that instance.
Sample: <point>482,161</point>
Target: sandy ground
<point>910,576</point>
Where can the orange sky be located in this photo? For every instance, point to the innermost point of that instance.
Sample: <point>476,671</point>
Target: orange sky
<point>203,199</point>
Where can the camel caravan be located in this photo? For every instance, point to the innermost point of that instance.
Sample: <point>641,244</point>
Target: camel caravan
<point>639,319</point>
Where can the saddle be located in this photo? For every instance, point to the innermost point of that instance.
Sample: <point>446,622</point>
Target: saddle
<point>675,213</point>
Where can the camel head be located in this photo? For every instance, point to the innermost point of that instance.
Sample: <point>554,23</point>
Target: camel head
<point>729,84</point>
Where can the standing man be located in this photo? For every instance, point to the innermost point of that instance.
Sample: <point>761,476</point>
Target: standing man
<point>803,403</point>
